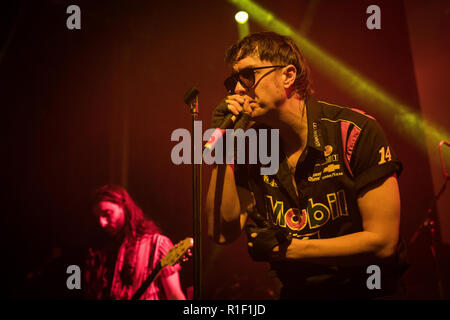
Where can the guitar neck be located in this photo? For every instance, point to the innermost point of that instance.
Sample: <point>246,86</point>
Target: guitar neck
<point>147,282</point>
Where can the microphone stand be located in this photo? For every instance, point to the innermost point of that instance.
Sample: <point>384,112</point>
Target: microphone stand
<point>430,224</point>
<point>191,99</point>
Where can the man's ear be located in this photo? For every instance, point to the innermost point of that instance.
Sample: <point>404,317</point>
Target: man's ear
<point>290,74</point>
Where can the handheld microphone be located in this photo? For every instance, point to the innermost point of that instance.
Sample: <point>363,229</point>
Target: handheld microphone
<point>228,123</point>
<point>243,121</point>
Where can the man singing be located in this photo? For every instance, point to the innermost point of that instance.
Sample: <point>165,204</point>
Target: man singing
<point>333,208</point>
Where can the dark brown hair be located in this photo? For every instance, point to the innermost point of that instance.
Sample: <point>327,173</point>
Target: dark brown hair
<point>135,223</point>
<point>278,49</point>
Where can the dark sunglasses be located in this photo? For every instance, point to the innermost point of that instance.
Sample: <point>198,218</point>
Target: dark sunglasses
<point>246,77</point>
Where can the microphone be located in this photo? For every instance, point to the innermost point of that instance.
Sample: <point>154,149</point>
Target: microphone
<point>243,121</point>
<point>228,123</point>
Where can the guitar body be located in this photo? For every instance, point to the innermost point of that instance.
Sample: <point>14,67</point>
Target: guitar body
<point>172,257</point>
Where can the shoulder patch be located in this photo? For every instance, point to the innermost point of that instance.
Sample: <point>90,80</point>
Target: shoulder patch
<point>350,134</point>
<point>363,113</point>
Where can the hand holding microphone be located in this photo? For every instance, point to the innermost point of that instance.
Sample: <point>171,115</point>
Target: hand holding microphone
<point>234,105</point>
<point>221,116</point>
<point>240,105</point>
<point>232,112</point>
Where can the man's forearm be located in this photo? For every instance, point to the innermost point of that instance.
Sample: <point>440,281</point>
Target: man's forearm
<point>222,177</point>
<point>352,249</point>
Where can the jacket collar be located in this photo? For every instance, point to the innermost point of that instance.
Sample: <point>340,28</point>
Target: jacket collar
<point>314,146</point>
<point>314,114</point>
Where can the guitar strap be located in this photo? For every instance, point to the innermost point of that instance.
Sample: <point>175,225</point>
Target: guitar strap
<point>155,248</point>
<point>155,266</point>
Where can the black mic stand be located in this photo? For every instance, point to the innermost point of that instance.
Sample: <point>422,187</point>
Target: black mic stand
<point>191,99</point>
<point>430,224</point>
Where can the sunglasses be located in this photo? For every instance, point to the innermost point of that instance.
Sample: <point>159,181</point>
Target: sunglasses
<point>246,77</point>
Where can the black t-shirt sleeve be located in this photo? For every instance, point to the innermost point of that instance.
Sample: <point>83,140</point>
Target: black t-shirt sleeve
<point>373,158</point>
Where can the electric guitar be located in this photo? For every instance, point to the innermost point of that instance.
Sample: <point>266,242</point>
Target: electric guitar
<point>175,254</point>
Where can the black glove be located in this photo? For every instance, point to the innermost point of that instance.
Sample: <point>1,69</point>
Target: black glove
<point>262,240</point>
<point>219,114</point>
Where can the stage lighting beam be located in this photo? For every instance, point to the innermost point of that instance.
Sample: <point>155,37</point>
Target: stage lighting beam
<point>407,121</point>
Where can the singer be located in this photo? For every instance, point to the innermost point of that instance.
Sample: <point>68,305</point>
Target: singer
<point>333,207</point>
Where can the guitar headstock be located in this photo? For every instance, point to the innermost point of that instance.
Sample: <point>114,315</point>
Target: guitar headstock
<point>177,252</point>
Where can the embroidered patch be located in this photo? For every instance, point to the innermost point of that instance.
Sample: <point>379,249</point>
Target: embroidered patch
<point>328,150</point>
<point>270,182</point>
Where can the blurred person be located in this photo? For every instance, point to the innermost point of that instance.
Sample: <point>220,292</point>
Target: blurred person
<point>135,246</point>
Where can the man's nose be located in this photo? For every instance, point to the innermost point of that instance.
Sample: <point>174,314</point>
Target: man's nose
<point>103,222</point>
<point>240,89</point>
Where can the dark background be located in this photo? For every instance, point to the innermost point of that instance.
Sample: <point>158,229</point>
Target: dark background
<point>98,105</point>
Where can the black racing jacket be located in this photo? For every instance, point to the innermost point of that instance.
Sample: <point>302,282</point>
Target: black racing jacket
<point>346,154</point>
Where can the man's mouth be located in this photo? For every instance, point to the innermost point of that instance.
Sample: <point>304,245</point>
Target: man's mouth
<point>110,230</point>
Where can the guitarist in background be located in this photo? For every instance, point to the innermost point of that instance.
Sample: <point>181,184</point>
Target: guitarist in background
<point>116,271</point>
